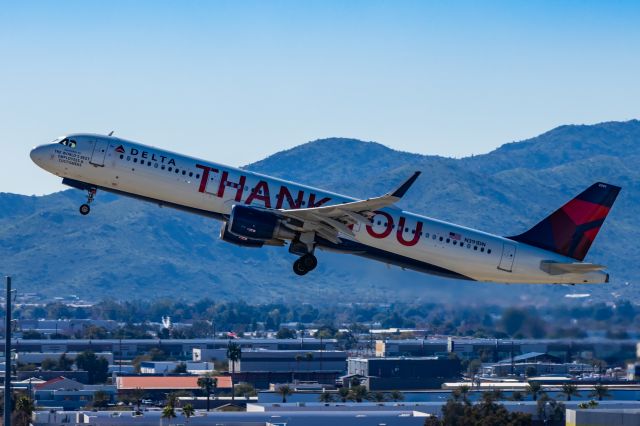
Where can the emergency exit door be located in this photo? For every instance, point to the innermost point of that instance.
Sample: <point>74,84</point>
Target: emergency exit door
<point>508,256</point>
<point>99,152</point>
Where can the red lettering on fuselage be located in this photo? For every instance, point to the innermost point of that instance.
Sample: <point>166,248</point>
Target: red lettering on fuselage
<point>284,192</point>
<point>387,230</point>
<point>400,234</point>
<point>239,185</point>
<point>260,192</point>
<point>312,201</point>
<point>205,176</point>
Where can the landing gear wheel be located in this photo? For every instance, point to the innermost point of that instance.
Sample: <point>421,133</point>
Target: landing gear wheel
<point>298,267</point>
<point>309,261</point>
<point>85,209</point>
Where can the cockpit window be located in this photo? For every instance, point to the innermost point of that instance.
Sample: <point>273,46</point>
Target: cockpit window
<point>68,142</point>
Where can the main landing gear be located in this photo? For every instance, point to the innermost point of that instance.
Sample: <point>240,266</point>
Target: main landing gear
<point>305,264</point>
<point>85,209</point>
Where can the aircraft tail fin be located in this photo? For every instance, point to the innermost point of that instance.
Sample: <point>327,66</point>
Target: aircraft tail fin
<point>571,229</point>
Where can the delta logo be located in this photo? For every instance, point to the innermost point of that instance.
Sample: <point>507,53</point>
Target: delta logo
<point>120,149</point>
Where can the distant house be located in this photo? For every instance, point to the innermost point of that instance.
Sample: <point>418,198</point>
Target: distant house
<point>530,357</point>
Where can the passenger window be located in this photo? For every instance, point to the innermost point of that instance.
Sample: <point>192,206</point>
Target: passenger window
<point>149,163</point>
<point>72,143</point>
<point>190,174</point>
<point>434,236</point>
<point>482,249</point>
<point>155,165</point>
<point>135,160</point>
<point>441,238</point>
<point>121,156</point>
<point>197,176</point>
<point>489,251</point>
<point>128,158</point>
<point>448,240</point>
<point>184,172</point>
<point>177,171</point>
<point>455,243</point>
<point>475,247</point>
<point>170,168</point>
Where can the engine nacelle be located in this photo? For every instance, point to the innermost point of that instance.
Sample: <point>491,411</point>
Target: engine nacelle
<point>256,225</point>
<point>227,236</point>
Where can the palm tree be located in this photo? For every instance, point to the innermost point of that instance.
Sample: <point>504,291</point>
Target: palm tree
<point>24,409</point>
<point>600,391</point>
<point>285,391</point>
<point>396,395</point>
<point>377,397</point>
<point>325,397</point>
<point>569,389</point>
<point>358,393</point>
<point>208,384</point>
<point>534,389</point>
<point>234,353</point>
<point>188,411</point>
<point>168,412</point>
<point>464,392</point>
<point>299,358</point>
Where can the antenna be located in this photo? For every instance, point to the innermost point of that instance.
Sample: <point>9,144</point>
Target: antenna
<point>111,133</point>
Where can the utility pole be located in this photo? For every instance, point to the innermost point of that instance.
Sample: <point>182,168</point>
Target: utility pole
<point>7,357</point>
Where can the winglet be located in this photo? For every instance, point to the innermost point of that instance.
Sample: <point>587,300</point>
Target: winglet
<point>399,193</point>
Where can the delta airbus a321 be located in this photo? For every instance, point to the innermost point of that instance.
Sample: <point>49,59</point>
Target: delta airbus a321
<point>258,210</point>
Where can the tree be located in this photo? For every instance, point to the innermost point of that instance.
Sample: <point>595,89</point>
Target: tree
<point>358,393</point>
<point>234,354</point>
<point>284,391</point>
<point>534,389</point>
<point>325,397</point>
<point>517,396</point>
<point>285,333</point>
<point>531,371</point>
<point>569,390</point>
<point>208,384</point>
<point>600,391</point>
<point>101,399</point>
<point>181,368</point>
<point>377,397</point>
<point>245,390</point>
<point>64,363</point>
<point>24,408</point>
<point>396,395</point>
<point>169,412</point>
<point>48,364</point>
<point>97,368</point>
<point>188,411</point>
<point>344,394</point>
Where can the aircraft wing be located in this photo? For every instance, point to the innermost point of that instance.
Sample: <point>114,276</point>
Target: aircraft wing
<point>329,221</point>
<point>557,268</point>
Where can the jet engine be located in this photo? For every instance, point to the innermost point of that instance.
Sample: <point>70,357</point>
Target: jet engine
<point>254,227</point>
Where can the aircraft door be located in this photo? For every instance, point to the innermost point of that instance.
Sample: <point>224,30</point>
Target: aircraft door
<point>99,152</point>
<point>508,256</point>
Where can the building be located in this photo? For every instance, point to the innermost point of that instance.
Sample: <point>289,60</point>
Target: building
<point>166,367</point>
<point>127,349</point>
<point>157,387</point>
<point>602,417</point>
<point>38,357</point>
<point>400,373</point>
<point>496,349</point>
<point>68,394</point>
<point>535,369</point>
<point>633,371</point>
<point>290,361</point>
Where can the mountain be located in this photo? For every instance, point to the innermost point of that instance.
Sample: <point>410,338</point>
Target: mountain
<point>127,249</point>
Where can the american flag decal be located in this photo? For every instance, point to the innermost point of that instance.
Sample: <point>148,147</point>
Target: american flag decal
<point>455,236</point>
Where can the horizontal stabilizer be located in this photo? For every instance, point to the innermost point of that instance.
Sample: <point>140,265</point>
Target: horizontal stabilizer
<point>557,268</point>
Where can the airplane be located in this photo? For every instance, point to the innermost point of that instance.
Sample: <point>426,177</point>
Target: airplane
<point>258,210</point>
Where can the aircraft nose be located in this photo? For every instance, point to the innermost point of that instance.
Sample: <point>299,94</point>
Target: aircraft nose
<point>37,154</point>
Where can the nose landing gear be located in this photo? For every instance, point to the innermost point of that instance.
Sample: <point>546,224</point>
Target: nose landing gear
<point>305,264</point>
<point>85,209</point>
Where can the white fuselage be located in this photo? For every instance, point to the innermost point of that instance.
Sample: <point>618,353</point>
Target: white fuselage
<point>395,236</point>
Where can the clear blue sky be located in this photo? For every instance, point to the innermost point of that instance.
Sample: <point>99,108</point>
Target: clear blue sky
<point>236,81</point>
